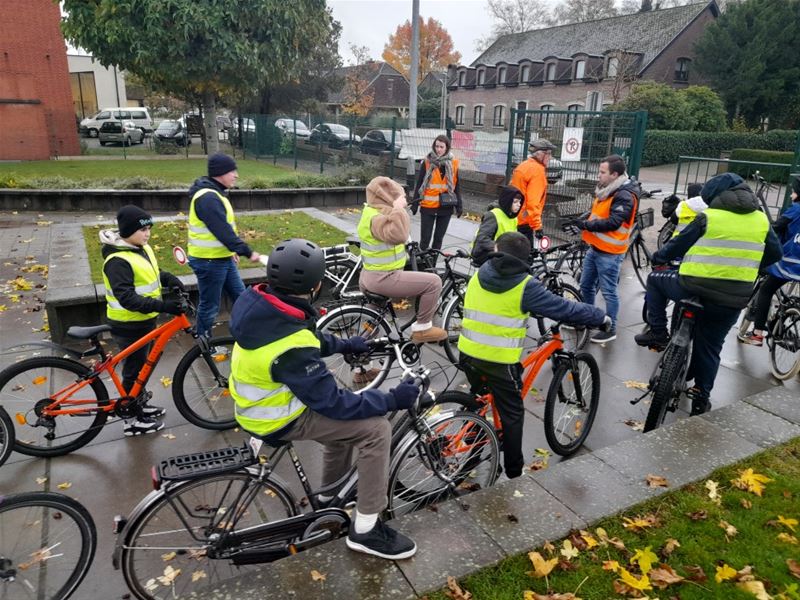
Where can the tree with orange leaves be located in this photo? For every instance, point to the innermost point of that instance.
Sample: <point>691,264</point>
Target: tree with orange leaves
<point>435,48</point>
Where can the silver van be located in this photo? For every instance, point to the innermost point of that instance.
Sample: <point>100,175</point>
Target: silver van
<point>139,115</point>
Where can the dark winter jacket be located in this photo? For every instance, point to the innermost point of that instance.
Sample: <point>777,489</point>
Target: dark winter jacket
<point>622,206</point>
<point>210,210</point>
<point>484,239</point>
<point>261,316</point>
<point>738,199</point>
<point>120,276</point>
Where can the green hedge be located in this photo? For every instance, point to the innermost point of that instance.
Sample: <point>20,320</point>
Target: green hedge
<point>771,174</point>
<point>661,147</point>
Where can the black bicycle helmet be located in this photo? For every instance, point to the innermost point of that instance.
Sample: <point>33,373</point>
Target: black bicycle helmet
<point>296,266</point>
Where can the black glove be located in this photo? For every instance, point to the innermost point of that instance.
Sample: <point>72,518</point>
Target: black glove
<point>404,394</point>
<point>607,324</point>
<point>459,211</point>
<point>172,306</point>
<point>414,207</point>
<point>571,229</point>
<point>539,234</point>
<point>174,282</point>
<point>357,345</point>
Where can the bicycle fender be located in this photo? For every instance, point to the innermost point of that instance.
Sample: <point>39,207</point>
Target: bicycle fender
<point>683,336</point>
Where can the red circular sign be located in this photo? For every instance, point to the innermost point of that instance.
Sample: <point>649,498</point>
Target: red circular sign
<point>572,145</point>
<point>179,254</point>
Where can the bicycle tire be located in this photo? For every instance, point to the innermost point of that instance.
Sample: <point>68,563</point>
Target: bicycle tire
<point>575,403</point>
<point>180,522</point>
<point>574,338</point>
<point>6,436</point>
<point>44,528</point>
<point>674,365</point>
<point>641,258</point>
<point>451,322</point>
<point>665,233</point>
<point>30,376</point>
<point>198,396</point>
<point>348,321</point>
<point>784,345</point>
<point>463,446</point>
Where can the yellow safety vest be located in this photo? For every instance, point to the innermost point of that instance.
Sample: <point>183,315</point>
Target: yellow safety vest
<point>146,282</point>
<point>685,216</point>
<point>731,248</point>
<point>202,243</point>
<point>262,404</point>
<point>494,327</point>
<point>378,255</point>
<point>504,224</point>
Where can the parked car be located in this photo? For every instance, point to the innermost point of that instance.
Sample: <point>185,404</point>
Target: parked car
<point>290,126</point>
<point>223,123</point>
<point>173,131</point>
<point>121,132</point>
<point>380,140</point>
<point>248,130</point>
<point>333,134</point>
<point>140,116</point>
<point>555,170</point>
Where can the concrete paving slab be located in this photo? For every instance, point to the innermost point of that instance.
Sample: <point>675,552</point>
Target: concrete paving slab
<point>754,424</point>
<point>519,514</point>
<point>591,488</point>
<point>778,401</point>
<point>683,452</point>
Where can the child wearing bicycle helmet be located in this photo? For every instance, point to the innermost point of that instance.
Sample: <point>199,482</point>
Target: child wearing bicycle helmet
<point>134,285</point>
<point>284,391</point>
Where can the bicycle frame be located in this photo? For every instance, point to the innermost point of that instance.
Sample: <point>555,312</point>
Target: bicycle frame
<point>160,336</point>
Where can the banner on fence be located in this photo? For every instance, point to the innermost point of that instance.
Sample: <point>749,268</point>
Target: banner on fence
<point>480,151</point>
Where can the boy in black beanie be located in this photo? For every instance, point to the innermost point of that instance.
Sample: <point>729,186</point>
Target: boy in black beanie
<point>134,284</point>
<point>497,221</point>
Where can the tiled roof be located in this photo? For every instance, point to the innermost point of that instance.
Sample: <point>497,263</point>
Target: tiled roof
<point>369,71</point>
<point>647,33</point>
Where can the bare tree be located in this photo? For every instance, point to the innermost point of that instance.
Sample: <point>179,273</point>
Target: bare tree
<point>627,72</point>
<point>514,16</point>
<point>578,11</point>
<point>358,98</point>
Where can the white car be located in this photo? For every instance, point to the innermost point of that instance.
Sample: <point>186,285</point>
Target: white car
<point>291,127</point>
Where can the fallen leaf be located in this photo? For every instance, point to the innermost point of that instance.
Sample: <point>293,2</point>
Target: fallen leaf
<point>750,481</point>
<point>610,565</point>
<point>790,523</point>
<point>713,491</point>
<point>454,590</point>
<point>788,538</point>
<point>669,546</point>
<point>568,551</point>
<point>644,559</point>
<point>565,565</point>
<point>41,480</point>
<point>64,486</point>
<point>3,308</point>
<point>14,298</point>
<point>169,436</point>
<point>518,494</point>
<point>578,541</point>
<point>548,547</point>
<point>541,566</point>
<point>166,381</point>
<point>756,588</point>
<point>696,573</point>
<point>642,583</point>
<point>20,284</point>
<point>746,503</point>
<point>530,595</point>
<point>724,573</point>
<point>698,515</point>
<point>198,575</point>
<point>168,556</point>
<point>634,424</point>
<point>655,481</point>
<point>605,540</point>
<point>664,576</point>
<point>730,530</point>
<point>589,539</point>
<point>637,385</point>
<point>794,567</point>
<point>170,574</point>
<point>317,576</point>
<point>639,523</point>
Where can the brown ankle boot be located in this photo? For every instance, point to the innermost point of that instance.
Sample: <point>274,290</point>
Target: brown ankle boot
<point>430,335</point>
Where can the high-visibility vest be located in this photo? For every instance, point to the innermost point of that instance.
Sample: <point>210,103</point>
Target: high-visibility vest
<point>437,185</point>
<point>504,224</point>
<point>613,242</point>
<point>493,327</point>
<point>685,216</point>
<point>203,243</point>
<point>378,255</point>
<point>263,405</point>
<point>146,282</point>
<point>731,248</point>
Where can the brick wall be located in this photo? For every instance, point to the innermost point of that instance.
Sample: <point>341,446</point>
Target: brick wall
<point>36,111</point>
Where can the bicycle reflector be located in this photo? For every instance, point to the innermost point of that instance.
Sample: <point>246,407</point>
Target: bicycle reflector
<point>544,243</point>
<point>155,478</point>
<point>688,314</point>
<point>322,311</point>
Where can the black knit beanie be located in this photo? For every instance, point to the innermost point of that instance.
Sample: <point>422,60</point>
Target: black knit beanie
<point>506,199</point>
<point>220,164</point>
<point>131,219</point>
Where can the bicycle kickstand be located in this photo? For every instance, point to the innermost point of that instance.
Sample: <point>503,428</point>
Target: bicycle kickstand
<point>640,398</point>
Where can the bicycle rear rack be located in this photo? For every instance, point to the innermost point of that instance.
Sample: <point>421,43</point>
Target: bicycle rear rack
<point>210,462</point>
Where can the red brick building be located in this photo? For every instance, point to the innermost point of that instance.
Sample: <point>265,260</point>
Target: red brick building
<point>37,119</point>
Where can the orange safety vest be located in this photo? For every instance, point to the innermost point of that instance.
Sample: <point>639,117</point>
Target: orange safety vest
<point>613,242</point>
<point>437,185</point>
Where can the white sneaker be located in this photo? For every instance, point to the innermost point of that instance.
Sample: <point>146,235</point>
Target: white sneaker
<point>142,426</point>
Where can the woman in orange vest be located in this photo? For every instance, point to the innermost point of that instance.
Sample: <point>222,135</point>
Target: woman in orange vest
<point>436,193</point>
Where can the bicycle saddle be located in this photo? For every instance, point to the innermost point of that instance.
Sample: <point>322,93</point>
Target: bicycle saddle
<point>376,299</point>
<point>84,333</point>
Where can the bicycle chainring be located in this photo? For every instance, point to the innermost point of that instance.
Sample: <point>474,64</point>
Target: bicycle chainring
<point>127,408</point>
<point>335,524</point>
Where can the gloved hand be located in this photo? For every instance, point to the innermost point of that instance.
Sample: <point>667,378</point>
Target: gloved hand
<point>459,211</point>
<point>404,394</point>
<point>571,229</point>
<point>607,324</point>
<point>172,306</point>
<point>539,234</point>
<point>414,207</point>
<point>358,345</point>
<point>174,282</point>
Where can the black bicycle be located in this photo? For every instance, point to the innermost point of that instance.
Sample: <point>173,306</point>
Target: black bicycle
<point>7,436</point>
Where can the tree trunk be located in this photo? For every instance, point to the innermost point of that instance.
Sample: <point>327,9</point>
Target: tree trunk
<point>210,122</point>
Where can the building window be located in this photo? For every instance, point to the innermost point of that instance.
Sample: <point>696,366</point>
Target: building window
<point>84,94</point>
<point>682,69</point>
<point>522,106</point>
<point>462,78</point>
<point>498,118</point>
<point>594,101</point>
<point>580,69</point>
<point>481,77</point>
<point>545,118</point>
<point>460,114</point>
<point>501,75</point>
<point>613,67</point>
<point>525,74</point>
<point>573,120</point>
<point>477,116</point>
<point>389,86</point>
<point>550,72</point>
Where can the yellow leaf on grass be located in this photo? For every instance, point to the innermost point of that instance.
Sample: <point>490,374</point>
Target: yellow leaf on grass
<point>530,595</point>
<point>568,551</point>
<point>669,546</point>
<point>713,491</point>
<point>746,503</point>
<point>317,576</point>
<point>589,539</point>
<point>605,540</point>
<point>610,565</point>
<point>166,381</point>
<point>64,486</point>
<point>724,573</point>
<point>541,567</point>
<point>788,538</point>
<point>794,567</point>
<point>644,559</point>
<point>641,584</point>
<point>750,481</point>
<point>730,530</point>
<point>639,523</point>
<point>790,523</point>
<point>455,591</point>
<point>756,588</point>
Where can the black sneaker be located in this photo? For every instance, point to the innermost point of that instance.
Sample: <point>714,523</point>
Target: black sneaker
<point>654,338</point>
<point>152,412</point>
<point>142,426</point>
<point>701,403</point>
<point>382,541</point>
<point>601,337</point>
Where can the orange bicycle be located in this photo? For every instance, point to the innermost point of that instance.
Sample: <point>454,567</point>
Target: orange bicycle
<point>572,398</point>
<point>60,404</point>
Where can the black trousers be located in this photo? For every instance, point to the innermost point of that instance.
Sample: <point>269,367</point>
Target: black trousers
<point>766,290</point>
<point>133,363</point>
<point>505,384</point>
<point>429,221</point>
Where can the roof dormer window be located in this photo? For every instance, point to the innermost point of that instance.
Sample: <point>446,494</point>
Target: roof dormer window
<point>550,72</point>
<point>501,75</point>
<point>481,76</point>
<point>580,69</point>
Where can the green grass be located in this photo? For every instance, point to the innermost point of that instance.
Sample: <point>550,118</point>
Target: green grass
<point>702,542</point>
<point>261,232</point>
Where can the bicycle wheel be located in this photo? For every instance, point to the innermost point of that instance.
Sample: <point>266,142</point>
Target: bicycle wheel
<point>574,338</point>
<point>168,551</point>
<point>641,259</point>
<point>26,388</point>
<point>784,345</point>
<point>673,370</point>
<point>460,453</point>
<point>356,372</point>
<point>571,262</point>
<point>665,233</point>
<point>6,436</point>
<point>47,543</point>
<point>571,404</point>
<point>451,321</point>
<point>200,386</point>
